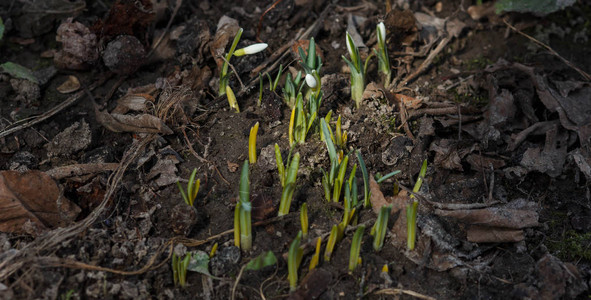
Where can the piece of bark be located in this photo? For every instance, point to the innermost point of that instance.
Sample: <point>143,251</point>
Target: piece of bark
<point>486,234</point>
<point>494,217</point>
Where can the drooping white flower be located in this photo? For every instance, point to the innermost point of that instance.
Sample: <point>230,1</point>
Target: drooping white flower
<point>311,81</point>
<point>252,49</point>
<point>382,31</point>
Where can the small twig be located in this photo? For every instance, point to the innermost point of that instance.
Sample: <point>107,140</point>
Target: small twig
<point>426,64</point>
<point>50,113</point>
<point>174,13</point>
<point>258,37</point>
<point>441,111</point>
<point>394,292</point>
<point>201,159</point>
<point>564,60</point>
<point>242,88</point>
<point>80,169</point>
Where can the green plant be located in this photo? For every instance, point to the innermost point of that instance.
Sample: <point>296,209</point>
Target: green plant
<point>1,29</point>
<point>382,54</point>
<point>273,83</point>
<point>291,89</point>
<point>304,220</point>
<point>380,179</point>
<point>380,227</point>
<point>192,188</point>
<point>252,49</point>
<point>310,61</point>
<point>357,71</point>
<point>232,99</point>
<point>68,295</point>
<point>290,185</point>
<point>264,260</point>
<point>242,213</point>
<point>332,241</point>
<point>333,180</point>
<point>179,269</point>
<point>300,122</point>
<point>366,191</point>
<point>260,90</point>
<point>411,209</point>
<point>316,257</point>
<point>252,143</point>
<point>354,258</point>
<point>294,258</point>
<point>213,251</point>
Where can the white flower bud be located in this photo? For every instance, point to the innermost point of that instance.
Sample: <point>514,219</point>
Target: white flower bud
<point>252,49</point>
<point>382,31</point>
<point>311,81</point>
<point>349,41</point>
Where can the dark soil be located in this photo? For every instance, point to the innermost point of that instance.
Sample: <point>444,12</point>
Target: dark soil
<point>131,211</point>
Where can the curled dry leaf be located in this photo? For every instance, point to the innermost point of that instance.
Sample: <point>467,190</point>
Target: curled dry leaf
<point>494,216</point>
<point>226,30</point>
<point>72,84</point>
<point>31,203</point>
<point>486,234</point>
<point>144,123</point>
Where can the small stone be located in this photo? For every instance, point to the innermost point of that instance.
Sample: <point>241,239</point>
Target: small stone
<point>183,218</point>
<point>73,139</point>
<point>124,55</point>
<point>226,260</point>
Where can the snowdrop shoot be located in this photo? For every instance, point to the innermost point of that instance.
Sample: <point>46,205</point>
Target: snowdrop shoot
<point>382,54</point>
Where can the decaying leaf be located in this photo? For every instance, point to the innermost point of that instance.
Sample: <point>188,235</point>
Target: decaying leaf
<point>225,32</point>
<point>126,18</point>
<point>18,71</point>
<point>70,85</point>
<point>31,203</point>
<point>486,234</point>
<point>494,217</point>
<point>79,46</point>
<point>143,123</point>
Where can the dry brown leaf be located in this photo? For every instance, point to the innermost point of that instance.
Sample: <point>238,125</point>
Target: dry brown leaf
<point>224,35</point>
<point>409,102</point>
<point>486,234</point>
<point>133,102</point>
<point>143,123</point>
<point>232,167</point>
<point>31,203</point>
<point>493,216</point>
<point>480,162</point>
<point>69,86</point>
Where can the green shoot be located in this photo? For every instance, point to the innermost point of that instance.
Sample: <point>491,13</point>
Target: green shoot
<point>354,258</point>
<point>245,209</point>
<point>411,210</point>
<point>260,89</point>
<point>232,99</point>
<point>411,224</point>
<point>280,165</point>
<point>300,122</point>
<point>332,241</point>
<point>291,89</point>
<point>338,184</point>
<point>290,184</point>
<point>304,220</point>
<point>380,227</point>
<point>252,143</point>
<point>382,54</point>
<point>179,269</point>
<point>213,251</point>
<point>273,84</point>
<point>310,61</point>
<point>294,259</point>
<point>192,189</point>
<point>316,257</point>
<point>237,225</point>
<point>366,192</point>
<point>382,178</point>
<point>357,71</point>
<point>224,76</point>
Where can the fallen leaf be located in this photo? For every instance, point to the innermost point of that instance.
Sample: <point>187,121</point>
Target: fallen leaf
<point>480,162</point>
<point>144,123</point>
<point>18,71</point>
<point>486,234</point>
<point>409,102</point>
<point>32,199</point>
<point>133,102</point>
<point>225,32</point>
<point>70,85</point>
<point>126,18</point>
<point>493,216</point>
